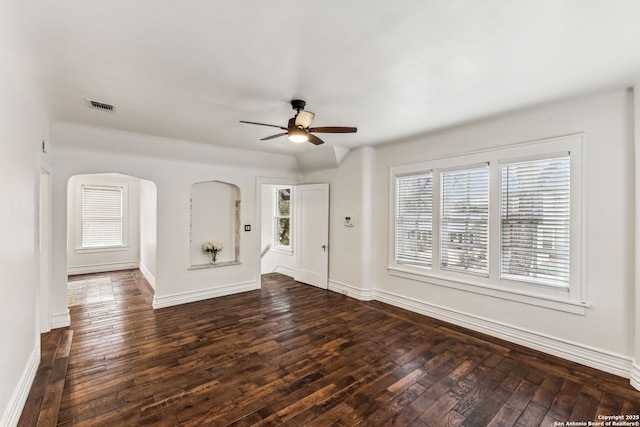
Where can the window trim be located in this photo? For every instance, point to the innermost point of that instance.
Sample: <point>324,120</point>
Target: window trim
<point>572,299</point>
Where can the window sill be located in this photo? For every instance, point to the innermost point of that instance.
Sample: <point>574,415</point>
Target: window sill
<point>546,301</point>
<point>101,249</point>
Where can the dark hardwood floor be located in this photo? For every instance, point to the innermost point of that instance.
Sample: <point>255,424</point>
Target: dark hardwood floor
<point>294,355</point>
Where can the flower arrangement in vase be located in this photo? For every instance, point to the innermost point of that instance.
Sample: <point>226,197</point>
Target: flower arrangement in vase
<point>212,248</point>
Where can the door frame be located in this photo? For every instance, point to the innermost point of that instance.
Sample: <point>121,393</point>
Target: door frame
<point>44,244</point>
<point>260,181</point>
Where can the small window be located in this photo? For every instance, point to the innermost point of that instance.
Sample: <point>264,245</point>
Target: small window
<point>102,216</point>
<point>464,237</point>
<point>534,217</point>
<point>282,218</point>
<point>414,222</point>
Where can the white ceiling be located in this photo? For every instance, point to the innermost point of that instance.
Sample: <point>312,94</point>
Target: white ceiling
<point>191,69</point>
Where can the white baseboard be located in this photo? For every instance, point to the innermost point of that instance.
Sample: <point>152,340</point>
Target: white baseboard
<point>193,296</point>
<point>60,320</point>
<point>635,376</point>
<point>13,411</point>
<point>352,291</point>
<point>283,270</point>
<point>609,362</point>
<point>147,275</point>
<point>99,268</point>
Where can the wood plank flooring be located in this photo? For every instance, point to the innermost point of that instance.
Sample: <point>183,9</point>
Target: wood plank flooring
<point>43,402</point>
<point>294,355</point>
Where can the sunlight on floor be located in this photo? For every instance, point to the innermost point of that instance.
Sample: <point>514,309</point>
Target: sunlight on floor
<point>90,291</point>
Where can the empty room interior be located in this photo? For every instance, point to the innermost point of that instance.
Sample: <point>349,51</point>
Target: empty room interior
<point>320,213</point>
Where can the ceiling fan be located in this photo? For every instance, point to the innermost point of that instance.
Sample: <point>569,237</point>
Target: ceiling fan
<point>298,129</point>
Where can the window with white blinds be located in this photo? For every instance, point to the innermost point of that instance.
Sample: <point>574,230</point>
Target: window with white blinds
<point>102,216</point>
<point>464,222</point>
<point>505,222</point>
<point>414,225</point>
<point>535,219</point>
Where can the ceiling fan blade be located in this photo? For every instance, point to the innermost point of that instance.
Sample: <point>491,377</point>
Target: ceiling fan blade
<point>315,140</point>
<point>278,135</point>
<point>333,129</point>
<point>263,124</point>
<point>304,119</point>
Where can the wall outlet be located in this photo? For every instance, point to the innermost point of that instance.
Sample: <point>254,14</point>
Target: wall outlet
<point>348,221</point>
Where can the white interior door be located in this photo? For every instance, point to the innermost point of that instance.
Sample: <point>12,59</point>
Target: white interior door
<point>312,234</point>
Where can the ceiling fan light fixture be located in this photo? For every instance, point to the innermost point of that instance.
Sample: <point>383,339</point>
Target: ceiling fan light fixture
<point>298,135</point>
<point>304,119</point>
<point>298,129</point>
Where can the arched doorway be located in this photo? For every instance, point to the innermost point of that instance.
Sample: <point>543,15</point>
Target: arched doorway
<point>111,224</point>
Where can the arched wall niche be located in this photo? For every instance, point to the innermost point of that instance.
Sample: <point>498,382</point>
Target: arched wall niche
<point>215,217</point>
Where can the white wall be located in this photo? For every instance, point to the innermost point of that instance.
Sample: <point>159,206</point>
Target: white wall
<point>635,373</point>
<point>350,248</point>
<point>148,229</point>
<point>23,126</point>
<point>124,152</point>
<point>81,262</point>
<point>274,260</point>
<point>604,336</point>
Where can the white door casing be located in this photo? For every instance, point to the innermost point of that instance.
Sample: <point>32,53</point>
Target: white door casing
<point>44,234</point>
<point>311,235</point>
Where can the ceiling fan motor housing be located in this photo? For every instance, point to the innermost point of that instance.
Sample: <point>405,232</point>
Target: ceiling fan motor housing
<point>298,104</point>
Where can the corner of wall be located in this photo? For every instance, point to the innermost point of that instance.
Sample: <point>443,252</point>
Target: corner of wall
<point>352,291</point>
<point>60,320</point>
<point>368,192</point>
<point>340,153</point>
<point>14,409</point>
<point>635,376</point>
<point>147,275</point>
<point>634,101</point>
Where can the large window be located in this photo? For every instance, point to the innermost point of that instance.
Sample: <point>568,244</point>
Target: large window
<point>464,221</point>
<point>282,218</point>
<point>102,216</point>
<point>414,204</point>
<point>506,220</point>
<point>535,220</point>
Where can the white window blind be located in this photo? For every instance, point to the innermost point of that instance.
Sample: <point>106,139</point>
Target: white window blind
<point>101,216</point>
<point>464,223</point>
<point>414,202</point>
<point>535,211</point>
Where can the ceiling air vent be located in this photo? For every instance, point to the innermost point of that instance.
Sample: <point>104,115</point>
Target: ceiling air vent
<point>101,106</point>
